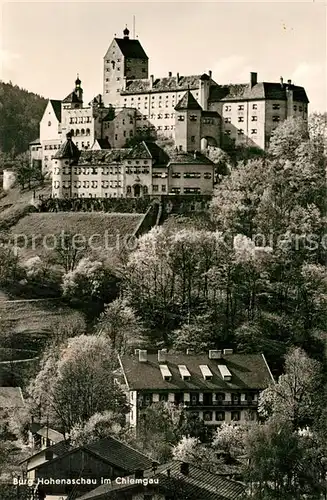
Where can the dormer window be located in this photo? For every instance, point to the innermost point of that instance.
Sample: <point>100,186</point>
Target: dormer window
<point>206,372</point>
<point>165,372</point>
<point>184,373</point>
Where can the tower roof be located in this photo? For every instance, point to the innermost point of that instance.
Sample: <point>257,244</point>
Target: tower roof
<point>68,150</point>
<point>132,49</point>
<point>72,98</point>
<point>188,101</point>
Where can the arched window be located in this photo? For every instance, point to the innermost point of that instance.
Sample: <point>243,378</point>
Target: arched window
<point>49,124</point>
<point>145,190</point>
<point>77,132</point>
<point>129,189</point>
<point>82,131</point>
<point>88,131</point>
<point>113,64</point>
<point>72,132</point>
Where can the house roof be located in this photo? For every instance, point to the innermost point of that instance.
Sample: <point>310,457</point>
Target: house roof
<point>188,101</point>
<point>132,49</point>
<point>52,434</point>
<point>262,90</point>
<point>113,452</point>
<point>72,98</point>
<point>58,449</point>
<point>188,158</point>
<point>159,155</point>
<point>102,157</point>
<point>249,371</point>
<point>56,108</point>
<point>36,141</point>
<point>103,143</point>
<point>67,150</point>
<point>198,484</point>
<point>11,397</point>
<point>166,84</point>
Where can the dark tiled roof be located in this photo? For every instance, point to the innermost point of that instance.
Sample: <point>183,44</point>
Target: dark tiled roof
<point>131,49</point>
<point>140,151</point>
<point>188,158</point>
<point>67,150</point>
<point>168,84</point>
<point>11,397</point>
<point>198,484</point>
<point>159,156</point>
<point>188,102</point>
<point>36,141</point>
<point>210,113</point>
<point>103,143</point>
<point>72,98</point>
<point>58,449</point>
<point>119,454</point>
<point>249,371</point>
<point>102,157</point>
<point>52,434</point>
<point>56,108</point>
<point>262,90</point>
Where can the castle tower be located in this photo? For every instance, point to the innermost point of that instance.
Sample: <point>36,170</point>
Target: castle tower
<point>74,99</point>
<point>188,123</point>
<point>124,60</point>
<point>62,174</point>
<point>78,88</point>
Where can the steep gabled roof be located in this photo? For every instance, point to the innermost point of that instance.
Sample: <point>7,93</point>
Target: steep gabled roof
<point>35,142</point>
<point>58,449</point>
<point>103,143</point>
<point>68,150</point>
<point>72,98</point>
<point>56,108</point>
<point>52,434</point>
<point>132,49</point>
<point>188,102</point>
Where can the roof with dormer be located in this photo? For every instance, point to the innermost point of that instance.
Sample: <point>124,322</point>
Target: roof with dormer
<point>262,90</point>
<point>67,150</point>
<point>132,49</point>
<point>183,157</point>
<point>248,371</point>
<point>166,84</point>
<point>188,102</point>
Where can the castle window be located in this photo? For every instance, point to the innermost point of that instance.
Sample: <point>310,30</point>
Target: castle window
<point>240,131</point>
<point>86,184</point>
<point>77,132</point>
<point>241,107</point>
<point>192,138</point>
<point>118,78</point>
<point>118,69</point>
<point>294,107</point>
<point>159,115</point>
<point>129,189</point>
<point>145,190</point>
<point>94,184</point>
<point>254,118</point>
<point>113,64</point>
<point>181,118</point>
<point>107,79</point>
<point>276,106</point>
<point>166,127</point>
<point>193,118</point>
<point>241,118</point>
<point>155,187</point>
<point>163,188</point>
<point>254,106</point>
<point>82,131</point>
<point>254,131</point>
<point>172,115</point>
<point>172,127</point>
<point>300,108</point>
<point>49,124</point>
<point>131,133</point>
<point>228,132</point>
<point>235,415</point>
<point>275,118</point>
<point>220,416</point>
<point>159,128</point>
<point>88,131</point>
<point>228,120</point>
<point>228,108</point>
<point>207,175</point>
<point>116,137</point>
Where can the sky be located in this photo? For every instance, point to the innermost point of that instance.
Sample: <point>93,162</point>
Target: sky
<point>43,45</point>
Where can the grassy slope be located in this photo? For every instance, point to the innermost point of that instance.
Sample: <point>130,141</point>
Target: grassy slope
<point>110,228</point>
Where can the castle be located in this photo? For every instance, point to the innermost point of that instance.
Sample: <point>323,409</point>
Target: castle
<point>193,111</point>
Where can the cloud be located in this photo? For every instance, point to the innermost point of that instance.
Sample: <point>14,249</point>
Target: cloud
<point>7,61</point>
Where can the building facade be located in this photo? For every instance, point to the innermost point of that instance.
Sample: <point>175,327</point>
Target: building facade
<point>217,387</point>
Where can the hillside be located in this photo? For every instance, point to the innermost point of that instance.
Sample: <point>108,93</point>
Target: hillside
<point>20,114</point>
<point>109,231</point>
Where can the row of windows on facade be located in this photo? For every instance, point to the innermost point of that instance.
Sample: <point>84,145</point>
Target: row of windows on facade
<point>129,170</point>
<point>240,119</point>
<point>102,170</point>
<point>240,131</point>
<point>80,119</point>
<point>87,184</point>
<point>80,132</point>
<point>275,106</point>
<point>173,190</point>
<point>51,146</point>
<point>199,398</point>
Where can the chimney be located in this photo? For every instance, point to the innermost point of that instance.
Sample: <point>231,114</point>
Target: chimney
<point>185,468</point>
<point>210,73</point>
<point>253,79</point>
<point>228,351</point>
<point>143,356</point>
<point>177,76</point>
<point>281,82</point>
<point>151,81</point>
<point>170,74</point>
<point>139,473</point>
<point>48,455</point>
<point>162,355</point>
<point>189,351</point>
<point>289,82</point>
